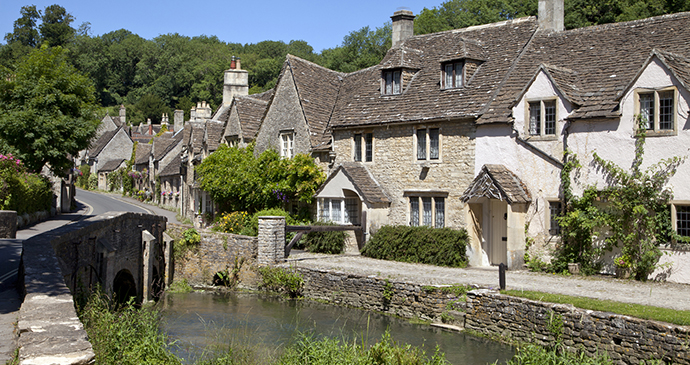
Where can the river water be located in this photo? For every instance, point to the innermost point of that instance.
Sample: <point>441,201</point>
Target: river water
<point>263,325</point>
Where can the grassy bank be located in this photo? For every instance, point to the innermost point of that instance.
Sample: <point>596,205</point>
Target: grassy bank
<point>678,317</point>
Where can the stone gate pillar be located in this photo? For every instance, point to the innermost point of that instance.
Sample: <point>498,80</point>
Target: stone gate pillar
<point>271,240</point>
<point>168,254</point>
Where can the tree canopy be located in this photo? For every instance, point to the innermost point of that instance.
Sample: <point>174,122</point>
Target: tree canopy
<point>47,110</point>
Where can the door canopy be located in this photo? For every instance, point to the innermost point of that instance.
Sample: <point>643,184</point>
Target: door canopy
<point>497,182</point>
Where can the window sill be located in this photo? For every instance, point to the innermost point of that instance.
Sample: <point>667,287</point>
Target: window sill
<point>535,138</point>
<point>663,133</point>
<point>428,163</point>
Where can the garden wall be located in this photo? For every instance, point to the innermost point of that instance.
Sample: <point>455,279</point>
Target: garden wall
<point>626,339</point>
<point>217,252</point>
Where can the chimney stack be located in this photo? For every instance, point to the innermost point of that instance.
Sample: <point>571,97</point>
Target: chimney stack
<point>403,26</point>
<point>236,82</point>
<point>123,115</point>
<point>203,110</point>
<point>550,15</point>
<point>178,120</point>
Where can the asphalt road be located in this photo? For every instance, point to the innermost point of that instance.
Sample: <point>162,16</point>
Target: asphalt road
<point>102,203</point>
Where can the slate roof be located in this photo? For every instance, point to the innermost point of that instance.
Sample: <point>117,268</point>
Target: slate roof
<point>250,111</point>
<point>213,134</point>
<point>164,144</point>
<point>142,154</point>
<point>111,165</point>
<point>317,88</point>
<point>171,169</point>
<point>361,179</point>
<point>100,143</point>
<point>604,60</point>
<point>497,47</point>
<point>497,182</point>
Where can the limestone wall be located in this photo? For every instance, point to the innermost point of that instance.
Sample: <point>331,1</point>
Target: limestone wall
<point>626,339</point>
<point>217,252</point>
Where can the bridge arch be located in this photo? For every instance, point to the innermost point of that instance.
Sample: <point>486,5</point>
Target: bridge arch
<point>124,286</point>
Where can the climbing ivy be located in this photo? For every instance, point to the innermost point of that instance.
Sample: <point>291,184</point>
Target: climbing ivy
<point>630,213</point>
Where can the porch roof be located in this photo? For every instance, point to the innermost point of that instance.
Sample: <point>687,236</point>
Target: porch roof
<point>497,182</point>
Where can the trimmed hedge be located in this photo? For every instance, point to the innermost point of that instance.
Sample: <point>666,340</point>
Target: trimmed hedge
<point>325,242</point>
<point>21,190</point>
<point>425,245</point>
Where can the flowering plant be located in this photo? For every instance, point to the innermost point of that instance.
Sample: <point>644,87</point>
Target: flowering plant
<point>622,261</point>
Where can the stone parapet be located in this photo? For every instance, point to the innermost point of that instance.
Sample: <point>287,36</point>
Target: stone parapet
<point>8,224</point>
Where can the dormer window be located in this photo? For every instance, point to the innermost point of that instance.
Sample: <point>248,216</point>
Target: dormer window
<point>391,80</point>
<point>542,118</point>
<point>657,108</point>
<point>453,74</point>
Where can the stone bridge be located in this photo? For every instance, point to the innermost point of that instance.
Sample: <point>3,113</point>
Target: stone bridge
<point>127,254</point>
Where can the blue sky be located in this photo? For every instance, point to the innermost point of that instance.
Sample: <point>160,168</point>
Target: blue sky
<point>322,24</point>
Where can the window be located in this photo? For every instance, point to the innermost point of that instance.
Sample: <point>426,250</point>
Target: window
<point>683,220</point>
<point>233,141</point>
<point>342,211</point>
<point>391,82</point>
<point>657,109</point>
<point>428,211</point>
<point>428,145</point>
<point>542,118</point>
<point>453,75</point>
<point>364,146</point>
<point>555,209</point>
<point>287,145</point>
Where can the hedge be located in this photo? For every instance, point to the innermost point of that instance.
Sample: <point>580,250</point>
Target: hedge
<point>21,190</point>
<point>426,245</point>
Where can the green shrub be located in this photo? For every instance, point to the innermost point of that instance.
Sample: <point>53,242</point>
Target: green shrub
<point>533,354</point>
<point>325,242</point>
<point>280,280</point>
<point>253,228</point>
<point>83,178</point>
<point>93,182</point>
<point>434,246</point>
<point>21,190</point>
<point>233,222</point>
<point>189,241</point>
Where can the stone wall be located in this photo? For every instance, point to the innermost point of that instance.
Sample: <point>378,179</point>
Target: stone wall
<point>217,252</point>
<point>625,339</point>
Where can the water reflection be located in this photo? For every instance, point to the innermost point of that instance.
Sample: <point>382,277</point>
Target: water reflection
<point>265,325</point>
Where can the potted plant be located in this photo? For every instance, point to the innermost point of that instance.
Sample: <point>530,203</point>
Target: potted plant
<point>623,266</point>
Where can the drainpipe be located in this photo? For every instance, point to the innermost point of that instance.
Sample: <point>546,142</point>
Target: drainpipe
<point>536,149</point>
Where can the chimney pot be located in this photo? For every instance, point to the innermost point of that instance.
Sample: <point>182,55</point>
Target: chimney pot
<point>232,63</point>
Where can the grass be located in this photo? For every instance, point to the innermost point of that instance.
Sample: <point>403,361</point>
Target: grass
<point>679,317</point>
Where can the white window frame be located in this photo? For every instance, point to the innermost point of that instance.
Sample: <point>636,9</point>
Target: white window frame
<point>365,151</point>
<point>426,144</point>
<point>428,212</point>
<point>287,144</point>
<point>654,125</point>
<point>455,80</point>
<point>530,128</point>
<point>391,82</point>
<point>327,208</point>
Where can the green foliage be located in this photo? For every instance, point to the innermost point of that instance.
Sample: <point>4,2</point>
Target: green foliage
<point>47,110</point>
<point>234,222</point>
<point>189,241</point>
<point>387,292</point>
<point>454,14</point>
<point>148,107</point>
<point>631,216</point>
<point>25,32</point>
<point>180,286</point>
<point>20,190</point>
<point>83,176</point>
<point>55,27</point>
<point>93,182</point>
<point>124,335</point>
<point>536,355</point>
<point>280,280</point>
<point>325,242</point>
<point>360,49</point>
<point>236,180</point>
<point>434,246</point>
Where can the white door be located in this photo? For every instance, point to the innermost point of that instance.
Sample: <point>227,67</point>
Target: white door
<point>499,232</point>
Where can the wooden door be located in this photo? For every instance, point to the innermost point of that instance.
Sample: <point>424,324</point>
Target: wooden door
<point>499,232</point>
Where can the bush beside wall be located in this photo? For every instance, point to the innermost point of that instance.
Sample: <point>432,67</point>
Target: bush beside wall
<point>434,246</point>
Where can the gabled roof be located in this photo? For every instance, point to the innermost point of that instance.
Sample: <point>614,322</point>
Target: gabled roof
<point>678,65</point>
<point>564,80</point>
<point>606,58</point>
<point>497,182</point>
<point>171,169</point>
<point>497,45</point>
<point>251,110</point>
<point>111,165</point>
<point>142,154</point>
<point>317,88</point>
<point>101,142</point>
<point>164,144</point>
<point>361,179</point>
<point>213,134</point>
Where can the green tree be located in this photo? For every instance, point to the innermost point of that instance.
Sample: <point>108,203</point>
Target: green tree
<point>55,26</point>
<point>454,14</point>
<point>47,110</point>
<point>25,32</point>
<point>149,107</point>
<point>360,49</point>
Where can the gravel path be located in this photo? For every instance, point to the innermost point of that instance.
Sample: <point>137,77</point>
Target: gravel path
<point>659,294</point>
